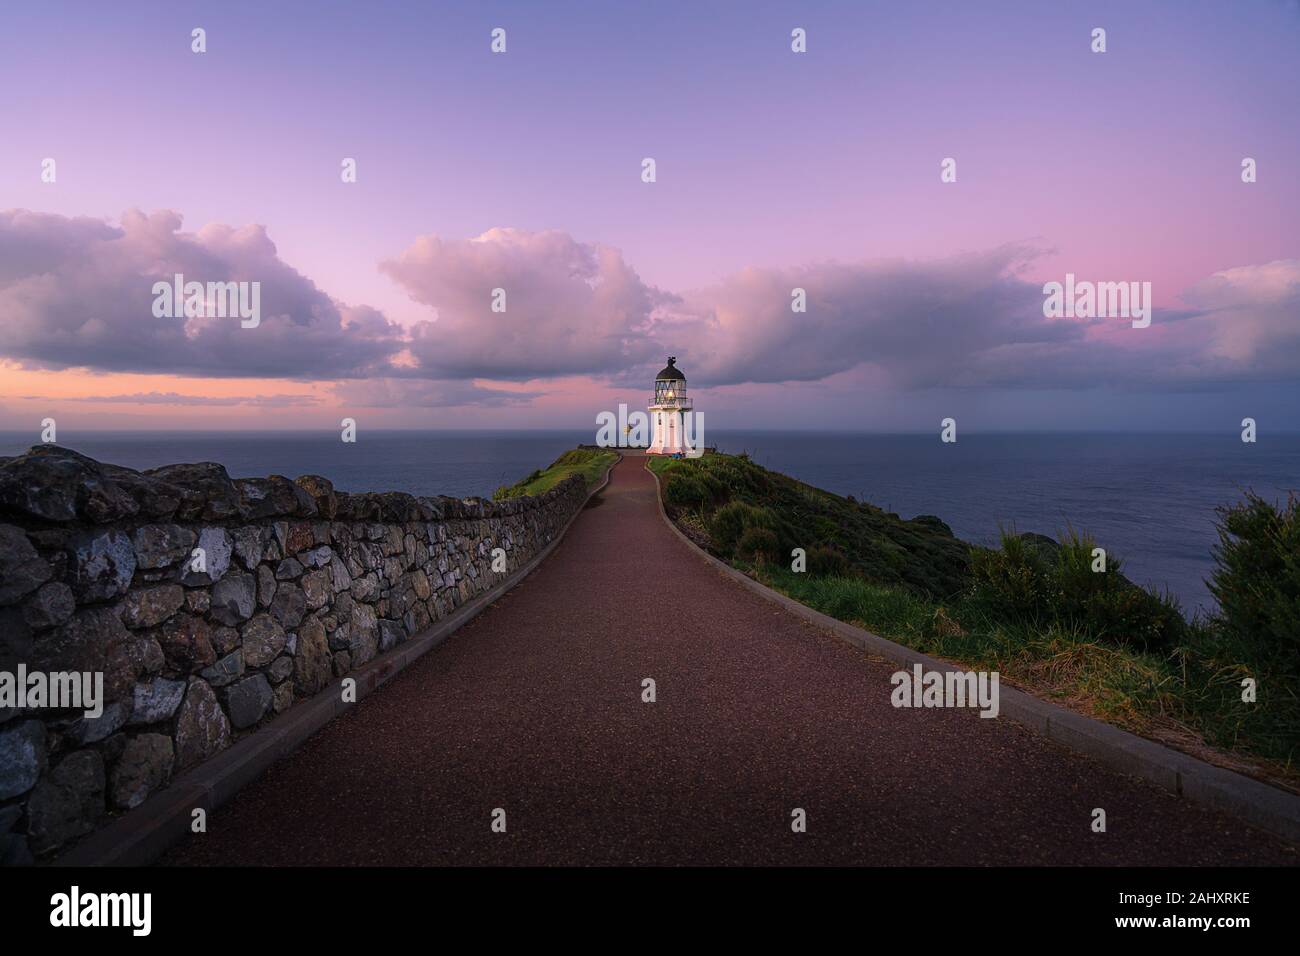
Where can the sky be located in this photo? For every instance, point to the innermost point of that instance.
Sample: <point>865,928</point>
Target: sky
<point>774,170</point>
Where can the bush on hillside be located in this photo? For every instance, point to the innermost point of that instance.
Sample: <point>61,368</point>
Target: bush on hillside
<point>728,525</point>
<point>759,545</point>
<point>692,489</point>
<point>1136,617</point>
<point>1034,580</point>
<point>1257,579</point>
<point>684,490</point>
<point>1009,582</point>
<point>827,562</point>
<point>731,521</point>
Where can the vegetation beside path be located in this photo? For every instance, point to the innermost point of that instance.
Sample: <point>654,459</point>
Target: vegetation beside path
<point>1033,608</point>
<point>590,463</point>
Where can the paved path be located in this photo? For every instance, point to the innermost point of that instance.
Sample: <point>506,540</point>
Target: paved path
<point>535,707</point>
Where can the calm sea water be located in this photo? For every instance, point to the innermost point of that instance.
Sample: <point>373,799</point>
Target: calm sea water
<point>1149,498</point>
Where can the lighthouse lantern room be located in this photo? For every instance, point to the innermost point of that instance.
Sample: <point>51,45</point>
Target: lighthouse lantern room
<point>667,413</point>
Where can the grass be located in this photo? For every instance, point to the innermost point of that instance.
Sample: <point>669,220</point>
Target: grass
<point>591,464</point>
<point>1073,641</point>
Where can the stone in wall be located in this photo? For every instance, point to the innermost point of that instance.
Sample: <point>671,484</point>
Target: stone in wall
<point>144,765</point>
<point>263,639</point>
<point>21,569</point>
<point>234,598</point>
<point>22,757</point>
<point>161,545</point>
<point>149,606</point>
<point>311,664</point>
<point>186,642</point>
<point>103,564</point>
<point>51,606</point>
<point>202,728</point>
<point>247,701</point>
<point>68,802</point>
<point>214,546</point>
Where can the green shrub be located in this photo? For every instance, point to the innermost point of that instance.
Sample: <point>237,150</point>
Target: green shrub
<point>728,525</point>
<point>734,518</point>
<point>827,562</point>
<point>1033,580</point>
<point>759,545</point>
<point>822,528</point>
<point>1010,582</point>
<point>692,489</point>
<point>1257,579</point>
<point>1133,616</point>
<point>1076,583</point>
<point>685,491</point>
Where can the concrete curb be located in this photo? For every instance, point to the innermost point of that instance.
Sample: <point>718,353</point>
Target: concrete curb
<point>1255,803</point>
<point>140,836</point>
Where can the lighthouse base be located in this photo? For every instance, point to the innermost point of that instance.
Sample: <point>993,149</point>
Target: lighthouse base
<point>668,435</point>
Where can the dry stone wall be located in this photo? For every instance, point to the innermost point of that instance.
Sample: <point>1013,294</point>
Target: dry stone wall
<point>208,606</point>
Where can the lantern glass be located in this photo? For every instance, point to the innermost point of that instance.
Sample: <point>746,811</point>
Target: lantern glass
<point>667,392</point>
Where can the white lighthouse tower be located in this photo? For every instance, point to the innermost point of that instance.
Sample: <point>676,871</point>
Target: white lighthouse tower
<point>667,411</point>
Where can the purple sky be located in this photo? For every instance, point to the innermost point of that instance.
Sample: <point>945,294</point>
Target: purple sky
<point>775,170</point>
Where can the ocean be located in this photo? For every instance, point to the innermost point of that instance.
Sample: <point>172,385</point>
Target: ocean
<point>1148,498</point>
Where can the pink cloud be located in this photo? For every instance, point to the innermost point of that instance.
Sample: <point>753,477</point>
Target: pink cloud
<point>79,293</point>
<point>570,307</point>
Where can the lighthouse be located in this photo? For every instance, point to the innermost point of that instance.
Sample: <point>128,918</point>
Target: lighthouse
<point>667,413</point>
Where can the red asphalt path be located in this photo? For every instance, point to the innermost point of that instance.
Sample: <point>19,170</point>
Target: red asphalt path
<point>535,707</point>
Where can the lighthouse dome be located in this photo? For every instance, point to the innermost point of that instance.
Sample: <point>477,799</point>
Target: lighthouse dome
<point>671,373</point>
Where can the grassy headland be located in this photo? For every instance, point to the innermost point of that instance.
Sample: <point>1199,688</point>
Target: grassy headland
<point>590,463</point>
<point>1034,609</point>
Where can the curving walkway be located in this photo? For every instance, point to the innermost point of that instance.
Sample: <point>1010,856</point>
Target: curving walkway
<point>535,707</point>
